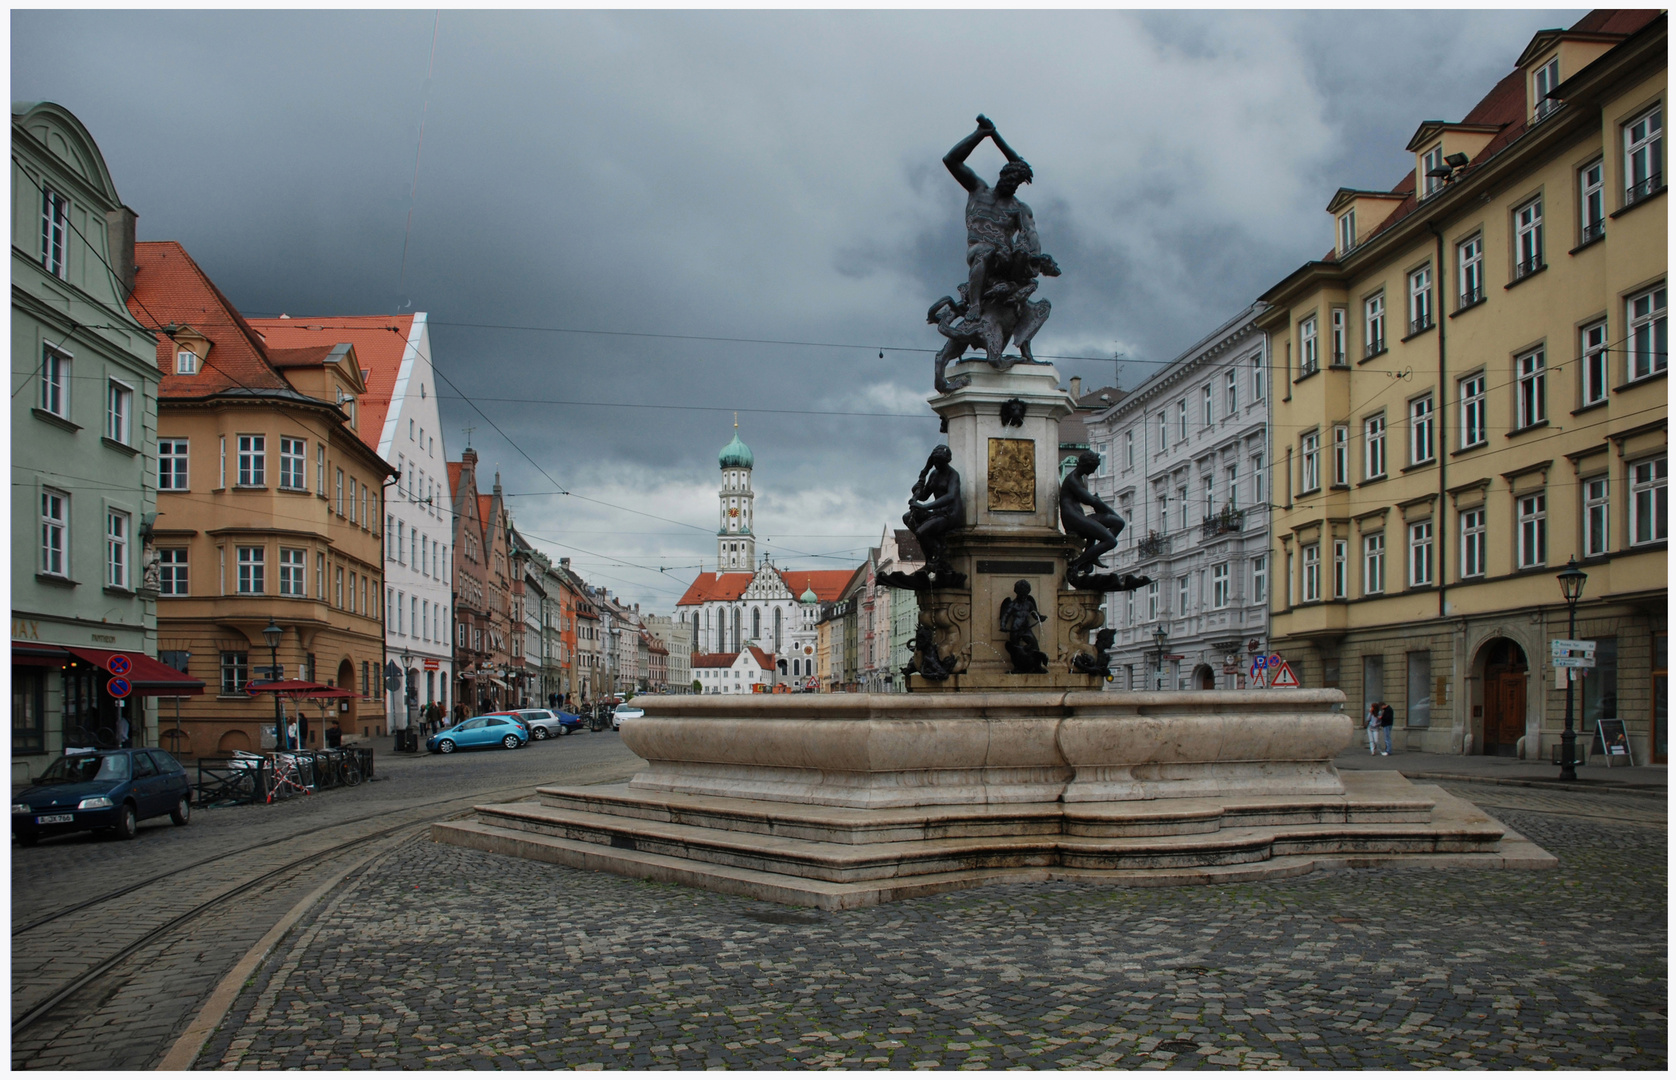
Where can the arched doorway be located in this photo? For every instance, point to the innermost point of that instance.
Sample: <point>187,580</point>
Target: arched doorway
<point>1505,673</point>
<point>1204,678</point>
<point>347,717</point>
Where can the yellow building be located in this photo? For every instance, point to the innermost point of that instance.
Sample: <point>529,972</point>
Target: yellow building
<point>1470,390</point>
<point>268,511</point>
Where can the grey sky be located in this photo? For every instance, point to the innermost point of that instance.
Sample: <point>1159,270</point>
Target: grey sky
<point>752,175</point>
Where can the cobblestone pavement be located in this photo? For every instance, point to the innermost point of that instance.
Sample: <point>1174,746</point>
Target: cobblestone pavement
<point>129,1018</point>
<point>439,956</point>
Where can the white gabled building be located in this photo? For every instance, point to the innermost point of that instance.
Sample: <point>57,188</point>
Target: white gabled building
<point>734,673</point>
<point>1184,460</point>
<point>399,418</point>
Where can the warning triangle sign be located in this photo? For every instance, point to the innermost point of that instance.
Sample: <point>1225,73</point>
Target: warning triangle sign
<point>1283,679</point>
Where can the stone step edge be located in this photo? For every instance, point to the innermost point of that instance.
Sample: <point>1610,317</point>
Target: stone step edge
<point>833,896</point>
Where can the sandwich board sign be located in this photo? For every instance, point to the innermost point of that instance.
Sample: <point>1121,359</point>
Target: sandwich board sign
<point>1614,743</point>
<point>1282,679</point>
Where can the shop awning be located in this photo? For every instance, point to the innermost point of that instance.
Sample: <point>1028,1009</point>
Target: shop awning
<point>298,688</point>
<point>148,677</point>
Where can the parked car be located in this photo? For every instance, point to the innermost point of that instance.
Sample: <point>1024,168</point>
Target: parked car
<point>625,711</point>
<point>496,729</point>
<point>102,789</point>
<point>547,723</point>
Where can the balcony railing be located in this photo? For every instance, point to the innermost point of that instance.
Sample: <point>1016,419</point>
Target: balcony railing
<point>1225,520</point>
<point>1471,296</point>
<point>1650,186</point>
<point>1153,545</point>
<point>1375,346</point>
<point>1528,267</point>
<point>1592,232</point>
<point>1420,325</point>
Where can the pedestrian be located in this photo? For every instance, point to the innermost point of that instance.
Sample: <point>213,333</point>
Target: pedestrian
<point>302,726</point>
<point>122,730</point>
<point>291,735</point>
<point>1371,722</point>
<point>1387,720</point>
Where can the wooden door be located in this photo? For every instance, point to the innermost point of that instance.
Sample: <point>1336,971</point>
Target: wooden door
<point>1504,711</point>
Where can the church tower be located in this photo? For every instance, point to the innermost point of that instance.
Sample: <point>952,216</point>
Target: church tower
<point>736,546</point>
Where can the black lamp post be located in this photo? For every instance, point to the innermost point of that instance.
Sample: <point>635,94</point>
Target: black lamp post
<point>406,740</point>
<point>1163,640</point>
<point>272,633</point>
<point>1571,586</point>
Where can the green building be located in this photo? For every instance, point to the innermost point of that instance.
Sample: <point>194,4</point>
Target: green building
<point>84,467</point>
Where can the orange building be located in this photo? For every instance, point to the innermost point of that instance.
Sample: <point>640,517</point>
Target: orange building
<point>268,512</point>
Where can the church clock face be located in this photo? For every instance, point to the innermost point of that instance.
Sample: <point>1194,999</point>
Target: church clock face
<point>733,511</point>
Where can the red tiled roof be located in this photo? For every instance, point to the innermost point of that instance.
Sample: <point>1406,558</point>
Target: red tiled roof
<point>714,659</point>
<point>485,506</point>
<point>454,470</point>
<point>1505,105</point>
<point>379,340</point>
<point>289,358</point>
<point>708,586</point>
<point>828,584</point>
<point>764,660</point>
<point>169,287</point>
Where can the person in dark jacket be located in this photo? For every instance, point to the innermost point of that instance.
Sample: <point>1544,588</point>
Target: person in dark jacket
<point>1387,720</point>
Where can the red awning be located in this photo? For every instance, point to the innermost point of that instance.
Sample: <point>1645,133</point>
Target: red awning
<point>148,677</point>
<point>299,688</point>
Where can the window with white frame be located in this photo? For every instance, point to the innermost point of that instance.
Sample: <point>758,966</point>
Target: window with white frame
<point>1181,420</point>
<point>235,672</point>
<point>338,493</point>
<point>1596,516</point>
<point>320,469</point>
<point>1260,579</point>
<point>1312,572</point>
<point>252,565</point>
<point>1419,553</point>
<point>1591,201</point>
<point>1152,602</point>
<point>1204,405</point>
<point>55,226</point>
<point>1430,162</point>
<point>337,587</point>
<point>1373,437</point>
<point>352,496</point>
<point>1649,344</point>
<point>253,460</point>
<point>1231,394</point>
<point>1473,424</point>
<point>55,533</point>
<point>320,575</point>
<point>1233,474</point>
<point>1341,455</point>
<point>1373,564</point>
<point>1527,245</point>
<point>117,532</point>
<point>1309,457</point>
<point>55,382</point>
<point>1347,230</point>
<point>293,454</point>
<point>1257,479</point>
<point>1649,506</point>
<point>1595,374</point>
<point>1219,591</point>
<point>1420,300</point>
<point>1543,82</point>
<point>1373,319</point>
<point>1341,338</point>
<point>171,465</point>
<point>1531,388</point>
<point>1163,432</point>
<point>1473,542</point>
<point>1309,359</point>
<point>292,565</point>
<point>1644,155</point>
<point>1421,445</point>
<point>1533,530</point>
<point>1469,257</point>
<point>1128,449</point>
<point>1181,596</point>
<point>186,362</point>
<point>1341,569</point>
<point>119,412</point>
<point>1257,377</point>
<point>171,572</point>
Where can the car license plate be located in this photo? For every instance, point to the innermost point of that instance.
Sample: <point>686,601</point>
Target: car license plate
<point>55,819</point>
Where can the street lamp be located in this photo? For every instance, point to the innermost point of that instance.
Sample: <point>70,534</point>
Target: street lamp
<point>1163,640</point>
<point>406,739</point>
<point>1571,587</point>
<point>272,633</point>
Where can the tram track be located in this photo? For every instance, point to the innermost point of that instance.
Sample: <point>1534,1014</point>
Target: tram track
<point>416,818</point>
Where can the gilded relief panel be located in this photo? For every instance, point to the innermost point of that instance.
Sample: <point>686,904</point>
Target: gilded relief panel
<point>1012,475</point>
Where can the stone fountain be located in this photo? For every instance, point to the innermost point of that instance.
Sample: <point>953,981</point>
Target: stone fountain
<point>1007,762</point>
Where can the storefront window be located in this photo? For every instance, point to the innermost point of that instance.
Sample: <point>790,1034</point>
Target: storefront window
<point>1419,690</point>
<point>1600,684</point>
<point>29,691</point>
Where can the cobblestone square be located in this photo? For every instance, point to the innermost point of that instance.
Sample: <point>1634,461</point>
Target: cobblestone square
<point>441,957</point>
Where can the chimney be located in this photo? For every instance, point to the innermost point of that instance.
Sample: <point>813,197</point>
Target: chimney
<point>119,233</point>
<point>1076,387</point>
<point>564,561</point>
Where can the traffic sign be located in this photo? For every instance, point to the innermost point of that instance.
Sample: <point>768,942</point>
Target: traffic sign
<point>433,664</point>
<point>119,665</point>
<point>1284,679</point>
<point>1274,660</point>
<point>119,687</point>
<point>392,676</point>
<point>1259,662</point>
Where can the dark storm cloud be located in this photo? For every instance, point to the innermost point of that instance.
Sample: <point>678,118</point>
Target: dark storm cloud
<point>762,175</point>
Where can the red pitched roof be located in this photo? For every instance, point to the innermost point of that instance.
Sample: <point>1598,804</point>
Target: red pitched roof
<point>764,660</point>
<point>714,659</point>
<point>485,505</point>
<point>379,340</point>
<point>828,584</point>
<point>169,287</point>
<point>454,468</point>
<point>708,586</point>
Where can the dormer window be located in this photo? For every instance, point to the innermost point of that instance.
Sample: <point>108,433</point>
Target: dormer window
<point>1431,169</point>
<point>1347,231</point>
<point>186,362</point>
<point>1543,83</point>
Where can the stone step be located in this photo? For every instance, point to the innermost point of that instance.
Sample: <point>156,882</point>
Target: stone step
<point>1461,828</point>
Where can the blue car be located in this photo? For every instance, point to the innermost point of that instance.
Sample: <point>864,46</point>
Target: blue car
<point>480,731</point>
<point>102,789</point>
